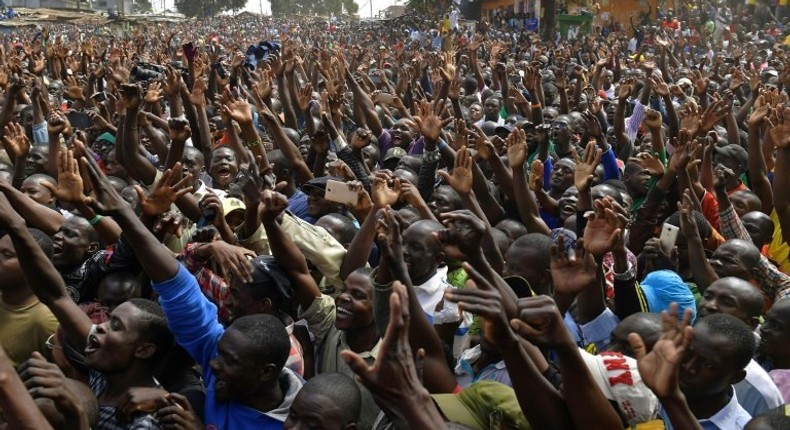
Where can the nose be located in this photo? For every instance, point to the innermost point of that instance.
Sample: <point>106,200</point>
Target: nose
<point>215,365</point>
<point>101,328</point>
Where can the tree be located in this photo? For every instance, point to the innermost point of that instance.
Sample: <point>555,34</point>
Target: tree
<point>205,8</point>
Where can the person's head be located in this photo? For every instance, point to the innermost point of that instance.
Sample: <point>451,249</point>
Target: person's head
<point>745,201</point>
<point>75,241</point>
<point>636,178</point>
<point>475,112</point>
<point>491,108</point>
<point>37,159</point>
<point>223,167</point>
<point>760,227</point>
<point>135,336</point>
<point>721,348</point>
<point>567,203</point>
<point>33,187</point>
<point>354,304</point>
<point>735,257</point>
<point>317,204</point>
<point>646,324</point>
<point>421,252</point>
<point>402,133</point>
<point>268,292</point>
<point>11,276</point>
<point>775,331</point>
<point>339,226</point>
<point>732,157</point>
<point>370,155</point>
<point>55,90</point>
<point>512,228</point>
<point>444,199</point>
<point>194,163</point>
<point>562,176</point>
<point>250,356</point>
<point>113,167</point>
<point>84,397</point>
<point>529,257</point>
<point>118,287</point>
<point>733,296</point>
<point>329,401</point>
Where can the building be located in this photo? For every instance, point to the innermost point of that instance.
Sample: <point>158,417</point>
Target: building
<point>122,6</point>
<point>393,11</point>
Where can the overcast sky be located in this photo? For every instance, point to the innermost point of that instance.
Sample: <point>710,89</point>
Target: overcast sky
<point>255,5</point>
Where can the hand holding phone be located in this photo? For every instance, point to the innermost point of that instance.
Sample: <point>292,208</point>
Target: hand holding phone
<point>341,192</point>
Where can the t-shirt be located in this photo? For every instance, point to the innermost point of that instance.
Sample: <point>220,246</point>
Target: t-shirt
<point>25,330</point>
<point>107,418</point>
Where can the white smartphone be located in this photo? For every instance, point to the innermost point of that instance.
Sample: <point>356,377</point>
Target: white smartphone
<point>341,192</point>
<point>385,98</point>
<point>669,234</point>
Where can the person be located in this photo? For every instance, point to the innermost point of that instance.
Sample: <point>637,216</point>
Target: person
<point>329,401</point>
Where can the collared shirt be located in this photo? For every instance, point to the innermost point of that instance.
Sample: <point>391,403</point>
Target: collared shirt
<point>757,392</point>
<point>466,376</point>
<point>731,417</point>
<point>774,284</point>
<point>633,122</point>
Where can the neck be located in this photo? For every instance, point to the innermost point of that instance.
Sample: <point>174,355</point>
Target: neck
<point>18,296</point>
<point>423,279</point>
<point>362,339</point>
<point>118,383</point>
<point>269,398</point>
<point>706,407</point>
<point>290,189</point>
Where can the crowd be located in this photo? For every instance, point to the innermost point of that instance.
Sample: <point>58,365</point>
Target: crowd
<point>259,223</point>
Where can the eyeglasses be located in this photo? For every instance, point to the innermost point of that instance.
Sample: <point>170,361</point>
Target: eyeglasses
<point>50,343</point>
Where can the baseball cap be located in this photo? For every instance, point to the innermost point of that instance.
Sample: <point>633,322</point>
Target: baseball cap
<point>618,377</point>
<point>267,274</point>
<point>394,152</point>
<point>230,204</point>
<point>505,128</point>
<point>318,183</point>
<point>107,137</point>
<point>483,405</point>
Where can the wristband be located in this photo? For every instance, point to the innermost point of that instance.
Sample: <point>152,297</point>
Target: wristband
<point>95,220</point>
<point>251,145</point>
<point>442,144</point>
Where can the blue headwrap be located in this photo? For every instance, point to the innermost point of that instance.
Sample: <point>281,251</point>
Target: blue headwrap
<point>663,287</point>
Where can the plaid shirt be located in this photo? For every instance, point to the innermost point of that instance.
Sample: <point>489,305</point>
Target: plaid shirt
<point>212,285</point>
<point>774,284</point>
<point>107,417</point>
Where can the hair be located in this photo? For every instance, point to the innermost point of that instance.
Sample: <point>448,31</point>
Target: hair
<point>266,333</point>
<point>198,153</point>
<point>705,230</point>
<point>123,275</point>
<point>511,226</point>
<point>43,240</point>
<point>739,335</point>
<point>41,177</point>
<point>93,235</point>
<point>632,168</point>
<point>276,157</point>
<point>647,325</point>
<point>343,392</point>
<point>501,239</point>
<point>348,229</point>
<point>153,327</point>
<point>538,243</point>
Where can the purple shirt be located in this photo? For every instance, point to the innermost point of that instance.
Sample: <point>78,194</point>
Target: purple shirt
<point>385,143</point>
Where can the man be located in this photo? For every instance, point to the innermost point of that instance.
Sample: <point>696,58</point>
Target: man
<point>329,401</point>
<point>76,247</point>
<point>738,298</point>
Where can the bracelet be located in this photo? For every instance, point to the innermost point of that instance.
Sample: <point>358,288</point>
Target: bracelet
<point>95,220</point>
<point>442,144</point>
<point>254,144</point>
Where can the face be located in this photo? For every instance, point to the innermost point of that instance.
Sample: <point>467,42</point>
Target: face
<point>401,134</point>
<point>567,202</point>
<point>722,297</point>
<point>443,200</point>
<point>354,304</point>
<point>37,192</point>
<point>317,205</point>
<point>705,370</point>
<point>114,168</point>
<point>116,343</point>
<point>37,160</point>
<point>10,271</point>
<point>759,227</point>
<point>420,252</point>
<point>522,262</point>
<point>224,167</point>
<point>475,112</point>
<point>311,411</point>
<point>491,109</point>
<point>71,244</point>
<point>744,202</point>
<point>637,180</point>
<point>370,155</point>
<point>562,176</point>
<point>775,331</point>
<point>236,368</point>
<point>240,301</point>
<point>727,260</point>
<point>192,163</point>
<point>114,291</point>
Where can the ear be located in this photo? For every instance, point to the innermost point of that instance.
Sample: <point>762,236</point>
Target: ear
<point>145,351</point>
<point>268,373</point>
<point>264,306</point>
<point>738,376</point>
<point>93,247</point>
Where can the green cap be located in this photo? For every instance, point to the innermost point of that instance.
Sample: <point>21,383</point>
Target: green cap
<point>483,405</point>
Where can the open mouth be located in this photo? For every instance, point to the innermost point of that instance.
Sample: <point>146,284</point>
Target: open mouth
<point>223,173</point>
<point>57,248</point>
<point>92,345</point>
<point>343,312</point>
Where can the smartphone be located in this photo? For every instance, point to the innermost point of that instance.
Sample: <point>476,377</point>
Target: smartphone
<point>80,120</point>
<point>385,98</point>
<point>669,234</point>
<point>341,192</point>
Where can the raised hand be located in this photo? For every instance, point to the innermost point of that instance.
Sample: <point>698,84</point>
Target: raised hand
<point>273,204</point>
<point>572,272</point>
<point>16,142</point>
<point>385,190</point>
<point>105,199</point>
<point>428,122</point>
<point>652,119</point>
<point>73,89</point>
<point>165,193</point>
<point>603,230</point>
<point>461,178</point>
<point>198,94</point>
<point>388,235</point>
<point>235,260</point>
<point>130,95</point>
<point>58,123</point>
<point>179,129</point>
<point>651,163</point>
<point>154,93</point>
<point>660,368</point>
<point>237,109</point>
<point>721,177</point>
<point>688,225</point>
<point>305,96</point>
<point>585,168</point>
<point>463,235</point>
<point>779,127</point>
<point>516,148</point>
<point>70,186</point>
<point>540,323</point>
<point>536,170</point>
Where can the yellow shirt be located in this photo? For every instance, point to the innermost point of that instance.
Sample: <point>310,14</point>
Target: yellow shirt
<point>25,330</point>
<point>778,249</point>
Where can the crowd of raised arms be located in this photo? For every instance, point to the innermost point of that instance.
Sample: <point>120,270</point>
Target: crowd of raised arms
<point>424,223</point>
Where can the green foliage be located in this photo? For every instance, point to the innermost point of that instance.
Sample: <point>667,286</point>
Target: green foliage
<point>204,8</point>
